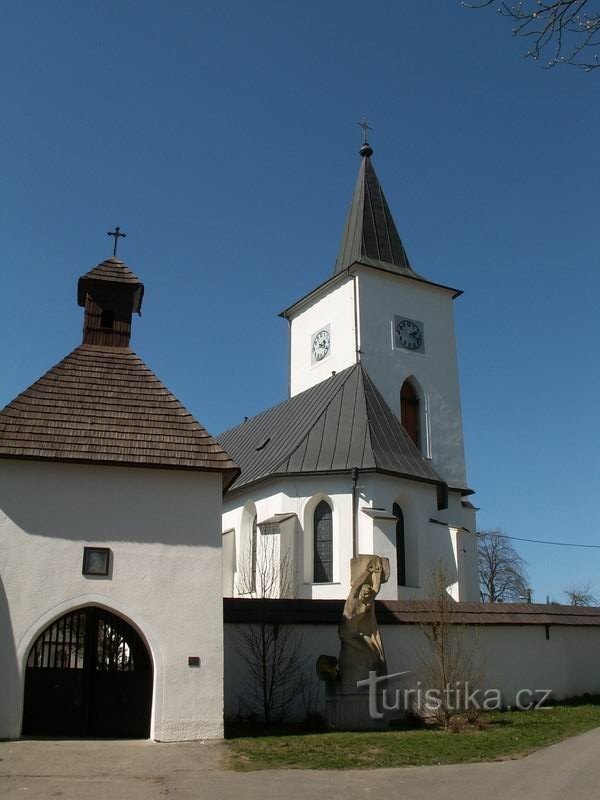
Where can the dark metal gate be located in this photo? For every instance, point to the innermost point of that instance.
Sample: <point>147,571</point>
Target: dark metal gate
<point>88,674</point>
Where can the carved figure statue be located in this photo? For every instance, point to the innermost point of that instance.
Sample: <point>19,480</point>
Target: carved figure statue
<point>361,646</point>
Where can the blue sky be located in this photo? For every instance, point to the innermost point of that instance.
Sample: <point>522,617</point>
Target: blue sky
<point>221,137</point>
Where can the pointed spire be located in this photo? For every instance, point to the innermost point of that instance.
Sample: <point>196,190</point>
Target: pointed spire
<point>370,234</point>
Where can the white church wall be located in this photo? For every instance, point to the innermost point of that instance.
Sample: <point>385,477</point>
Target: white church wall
<point>382,297</point>
<point>513,658</point>
<point>163,528</point>
<point>426,543</point>
<point>470,555</point>
<point>335,311</point>
<point>298,496</point>
<point>229,562</point>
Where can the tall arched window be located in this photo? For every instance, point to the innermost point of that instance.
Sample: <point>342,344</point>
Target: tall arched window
<point>253,549</point>
<point>400,545</point>
<point>410,411</point>
<point>323,543</point>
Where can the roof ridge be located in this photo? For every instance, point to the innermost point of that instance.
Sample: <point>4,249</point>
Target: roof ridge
<point>290,453</point>
<point>374,396</point>
<point>333,426</point>
<point>368,436</point>
<point>283,402</point>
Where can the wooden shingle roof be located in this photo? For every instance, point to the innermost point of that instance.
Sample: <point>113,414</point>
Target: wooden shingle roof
<point>407,612</point>
<point>336,425</point>
<point>104,405</point>
<point>112,271</point>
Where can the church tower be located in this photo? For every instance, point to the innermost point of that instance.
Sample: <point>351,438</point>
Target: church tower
<point>376,310</point>
<point>366,455</point>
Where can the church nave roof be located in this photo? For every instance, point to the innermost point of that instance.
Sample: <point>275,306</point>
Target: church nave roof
<point>341,423</point>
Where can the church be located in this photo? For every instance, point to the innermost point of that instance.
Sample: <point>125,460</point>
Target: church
<point>123,523</point>
<point>366,455</point>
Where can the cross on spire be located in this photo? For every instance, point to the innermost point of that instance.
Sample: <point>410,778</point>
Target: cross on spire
<point>365,127</point>
<point>117,234</point>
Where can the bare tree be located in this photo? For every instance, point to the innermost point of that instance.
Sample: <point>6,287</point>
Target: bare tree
<point>272,651</point>
<point>581,595</point>
<point>567,31</point>
<point>449,660</point>
<point>502,571</point>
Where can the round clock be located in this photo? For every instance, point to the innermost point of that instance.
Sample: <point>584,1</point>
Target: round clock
<point>409,334</point>
<point>320,345</point>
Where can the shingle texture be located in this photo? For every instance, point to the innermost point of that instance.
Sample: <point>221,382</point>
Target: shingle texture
<point>407,612</point>
<point>104,405</point>
<point>341,423</point>
<point>112,269</point>
<point>112,272</point>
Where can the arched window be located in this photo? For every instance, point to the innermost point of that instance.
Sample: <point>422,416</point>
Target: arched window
<point>400,545</point>
<point>323,543</point>
<point>253,549</point>
<point>410,412</point>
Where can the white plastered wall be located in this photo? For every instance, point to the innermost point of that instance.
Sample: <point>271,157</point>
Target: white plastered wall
<point>335,309</point>
<point>512,658</point>
<point>427,543</point>
<point>295,495</point>
<point>164,530</point>
<point>382,297</point>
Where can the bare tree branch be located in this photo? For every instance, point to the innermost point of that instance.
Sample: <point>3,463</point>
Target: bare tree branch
<point>567,30</point>
<point>581,594</point>
<point>502,571</point>
<point>273,652</point>
<point>450,657</point>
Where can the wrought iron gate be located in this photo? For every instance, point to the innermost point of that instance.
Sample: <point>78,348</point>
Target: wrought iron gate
<point>88,674</point>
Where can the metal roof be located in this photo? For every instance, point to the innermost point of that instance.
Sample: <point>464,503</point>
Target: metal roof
<point>370,231</point>
<point>341,423</point>
<point>370,237</point>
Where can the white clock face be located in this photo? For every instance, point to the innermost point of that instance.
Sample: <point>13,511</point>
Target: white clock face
<point>320,345</point>
<point>408,333</point>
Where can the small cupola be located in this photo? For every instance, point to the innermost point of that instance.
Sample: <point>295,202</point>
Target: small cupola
<point>110,294</point>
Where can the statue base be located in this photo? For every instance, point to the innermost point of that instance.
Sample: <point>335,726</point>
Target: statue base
<point>350,711</point>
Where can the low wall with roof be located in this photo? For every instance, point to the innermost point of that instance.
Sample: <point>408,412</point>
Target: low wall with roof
<point>519,647</point>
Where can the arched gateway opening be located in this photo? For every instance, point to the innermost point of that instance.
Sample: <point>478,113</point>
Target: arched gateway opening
<point>88,674</point>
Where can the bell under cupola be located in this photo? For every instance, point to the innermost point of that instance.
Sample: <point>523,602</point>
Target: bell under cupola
<point>110,294</point>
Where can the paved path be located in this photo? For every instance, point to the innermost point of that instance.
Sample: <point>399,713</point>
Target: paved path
<point>145,771</point>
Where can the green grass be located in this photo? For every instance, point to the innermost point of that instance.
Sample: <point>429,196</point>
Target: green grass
<point>508,734</point>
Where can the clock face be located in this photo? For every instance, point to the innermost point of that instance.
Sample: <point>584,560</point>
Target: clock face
<point>320,345</point>
<point>408,334</point>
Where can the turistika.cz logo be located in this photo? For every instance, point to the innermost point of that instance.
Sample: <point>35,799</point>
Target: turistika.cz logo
<point>458,697</point>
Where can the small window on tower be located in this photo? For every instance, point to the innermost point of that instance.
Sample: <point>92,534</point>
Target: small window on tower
<point>107,319</point>
<point>411,412</point>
